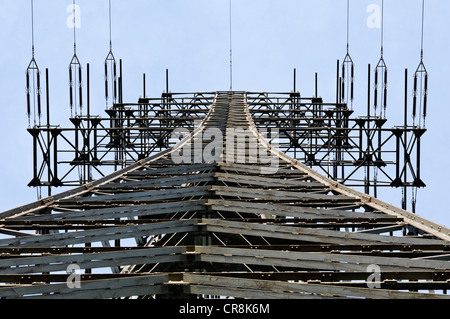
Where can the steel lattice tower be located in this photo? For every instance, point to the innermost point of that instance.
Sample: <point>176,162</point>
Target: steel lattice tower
<point>250,223</point>
<point>224,194</point>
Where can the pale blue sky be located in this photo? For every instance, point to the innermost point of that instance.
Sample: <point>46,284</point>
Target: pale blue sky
<point>191,39</point>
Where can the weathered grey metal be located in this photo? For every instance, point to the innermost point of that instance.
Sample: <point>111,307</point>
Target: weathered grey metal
<point>435,229</point>
<point>107,288</point>
<point>315,260</point>
<point>41,264</point>
<point>310,234</point>
<point>98,235</point>
<point>119,212</point>
<point>247,225</point>
<point>264,288</point>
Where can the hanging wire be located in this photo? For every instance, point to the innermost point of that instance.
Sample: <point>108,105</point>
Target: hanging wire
<point>231,49</point>
<point>110,25</point>
<point>348,23</point>
<point>382,26</point>
<point>74,27</point>
<point>32,28</point>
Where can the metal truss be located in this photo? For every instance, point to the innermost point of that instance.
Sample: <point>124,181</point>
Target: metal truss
<point>96,146</point>
<point>326,137</point>
<point>355,151</point>
<point>243,225</point>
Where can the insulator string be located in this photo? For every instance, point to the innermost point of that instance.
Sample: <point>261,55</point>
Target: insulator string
<point>34,99</point>
<point>421,81</point>
<point>110,69</point>
<point>347,86</point>
<point>33,85</point>
<point>75,73</point>
<point>380,86</point>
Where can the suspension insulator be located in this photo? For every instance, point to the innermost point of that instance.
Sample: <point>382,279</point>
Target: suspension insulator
<point>115,80</point>
<point>38,92</point>
<point>425,97</point>
<point>106,81</point>
<point>385,76</point>
<point>351,91</point>
<point>376,89</point>
<point>80,86</point>
<point>28,95</point>
<point>352,72</point>
<point>385,90</point>
<point>415,97</point>
<point>70,87</point>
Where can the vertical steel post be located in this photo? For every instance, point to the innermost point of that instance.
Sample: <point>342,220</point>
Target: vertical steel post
<point>167,80</point>
<point>315,86</point>
<point>405,194</point>
<point>88,93</point>
<point>337,83</point>
<point>366,155</point>
<point>295,78</point>
<point>88,131</point>
<point>35,165</point>
<point>55,134</point>
<point>120,82</point>
<point>143,86</point>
